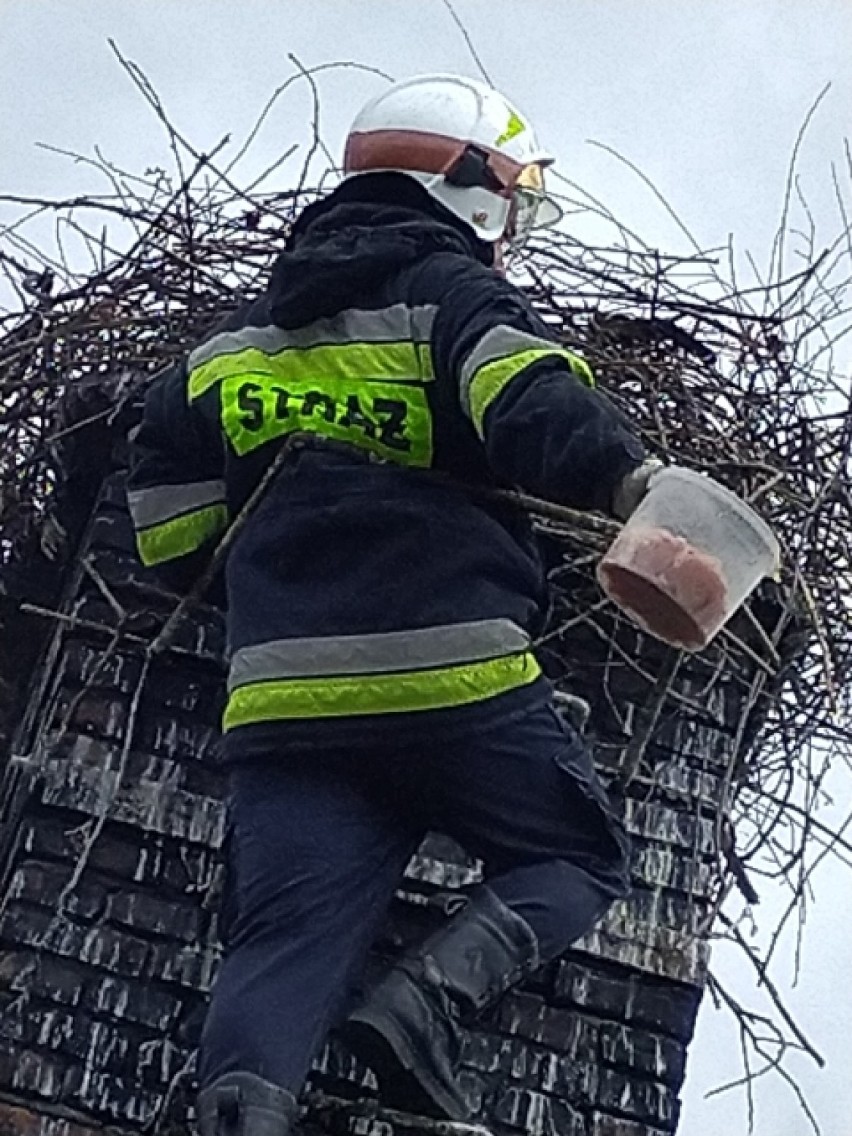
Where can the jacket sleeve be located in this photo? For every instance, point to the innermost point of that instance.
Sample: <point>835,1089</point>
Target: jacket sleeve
<point>532,403</point>
<point>176,486</point>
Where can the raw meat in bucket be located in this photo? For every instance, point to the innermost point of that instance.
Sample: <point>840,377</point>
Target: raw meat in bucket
<point>672,589</point>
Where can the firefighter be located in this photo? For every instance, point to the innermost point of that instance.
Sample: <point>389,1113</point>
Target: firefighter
<point>381,607</point>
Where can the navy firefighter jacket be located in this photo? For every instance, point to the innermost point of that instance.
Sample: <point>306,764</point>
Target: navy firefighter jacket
<point>372,590</point>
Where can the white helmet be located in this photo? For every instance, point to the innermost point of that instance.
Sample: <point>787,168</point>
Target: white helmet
<point>469,147</point>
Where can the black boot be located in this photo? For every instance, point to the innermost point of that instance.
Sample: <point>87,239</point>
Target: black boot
<point>408,1030</point>
<point>242,1104</point>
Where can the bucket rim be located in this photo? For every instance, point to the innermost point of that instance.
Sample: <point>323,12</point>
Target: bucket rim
<point>721,492</point>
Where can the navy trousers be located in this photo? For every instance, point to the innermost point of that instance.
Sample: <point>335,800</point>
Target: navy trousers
<point>319,841</point>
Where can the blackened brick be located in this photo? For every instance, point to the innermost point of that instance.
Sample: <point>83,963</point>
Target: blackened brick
<point>659,1058</point>
<point>500,1059</point>
<point>669,1007</point>
<point>23,1071</point>
<point>111,1097</point>
<point>603,1124</point>
<point>647,1101</point>
<point>661,1006</point>
<point>116,852</point>
<point>96,713</point>
<point>16,1120</point>
<point>47,885</point>
<point>148,913</point>
<point>535,1113</point>
<point>84,664</point>
<point>158,1060</point>
<point>75,1036</point>
<point>97,946</point>
<point>676,869</point>
<point>179,739</point>
<point>41,976</point>
<point>191,868</point>
<point>192,966</point>
<point>669,825</point>
<point>178,689</point>
<point>528,1016</point>
<point>132,1001</point>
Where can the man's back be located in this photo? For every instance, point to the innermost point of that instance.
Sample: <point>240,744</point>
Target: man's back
<point>371,580</point>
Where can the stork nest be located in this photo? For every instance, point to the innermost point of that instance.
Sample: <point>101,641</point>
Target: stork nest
<point>733,381</point>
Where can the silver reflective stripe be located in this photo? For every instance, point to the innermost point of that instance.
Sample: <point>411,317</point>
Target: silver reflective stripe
<point>384,653</point>
<point>165,502</point>
<point>496,344</point>
<point>395,324</point>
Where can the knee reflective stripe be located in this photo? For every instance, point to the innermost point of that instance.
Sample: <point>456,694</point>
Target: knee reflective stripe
<point>500,356</point>
<point>397,693</point>
<point>180,536</point>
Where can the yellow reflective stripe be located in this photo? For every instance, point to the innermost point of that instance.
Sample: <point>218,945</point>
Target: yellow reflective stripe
<point>379,362</point>
<point>391,420</point>
<point>399,693</point>
<point>581,368</point>
<point>181,535</point>
<point>491,378</point>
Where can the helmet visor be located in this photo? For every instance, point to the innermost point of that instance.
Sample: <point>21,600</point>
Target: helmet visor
<point>531,208</point>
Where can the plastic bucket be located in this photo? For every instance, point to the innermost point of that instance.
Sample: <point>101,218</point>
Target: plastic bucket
<point>687,558</point>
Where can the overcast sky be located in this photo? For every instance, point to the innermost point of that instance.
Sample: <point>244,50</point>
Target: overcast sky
<point>706,97</point>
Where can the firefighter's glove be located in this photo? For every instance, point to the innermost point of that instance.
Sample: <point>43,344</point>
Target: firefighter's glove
<point>632,488</point>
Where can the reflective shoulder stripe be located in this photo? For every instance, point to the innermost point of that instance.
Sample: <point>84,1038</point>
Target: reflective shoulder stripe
<point>164,502</point>
<point>394,324</point>
<point>397,324</point>
<point>500,355</point>
<point>389,362</point>
<point>384,653</point>
<point>497,343</point>
<point>180,536</point>
<point>399,693</point>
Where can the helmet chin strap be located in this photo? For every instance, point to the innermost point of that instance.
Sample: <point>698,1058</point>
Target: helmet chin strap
<point>499,260</point>
<point>506,256</point>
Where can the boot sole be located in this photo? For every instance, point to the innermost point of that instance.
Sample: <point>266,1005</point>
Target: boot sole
<point>399,1087</point>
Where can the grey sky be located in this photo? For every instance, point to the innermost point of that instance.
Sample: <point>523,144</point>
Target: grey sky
<point>705,97</point>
